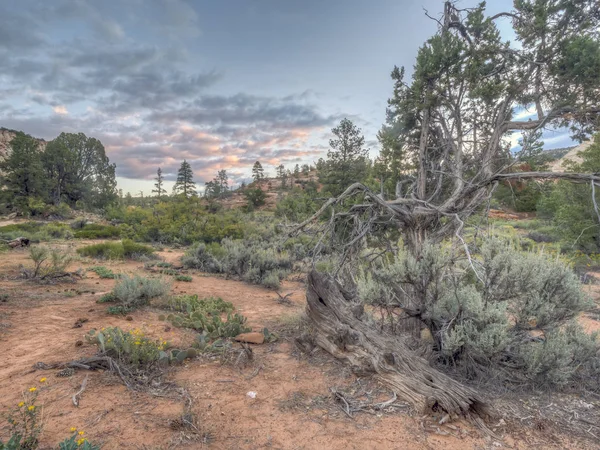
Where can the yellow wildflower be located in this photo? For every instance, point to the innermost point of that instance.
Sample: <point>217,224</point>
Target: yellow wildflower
<point>31,408</point>
<point>80,441</point>
<point>32,389</point>
<point>21,404</point>
<point>73,429</point>
<point>81,433</point>
<point>43,379</point>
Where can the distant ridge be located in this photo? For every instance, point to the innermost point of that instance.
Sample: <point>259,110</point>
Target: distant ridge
<point>571,155</point>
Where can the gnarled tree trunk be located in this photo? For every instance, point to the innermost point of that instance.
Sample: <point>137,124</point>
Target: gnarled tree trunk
<point>341,331</point>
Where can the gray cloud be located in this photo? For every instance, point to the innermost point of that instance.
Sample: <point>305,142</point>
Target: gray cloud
<point>245,109</point>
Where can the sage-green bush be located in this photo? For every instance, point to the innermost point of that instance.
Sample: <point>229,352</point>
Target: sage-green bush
<point>507,312</point>
<point>247,259</point>
<point>133,292</point>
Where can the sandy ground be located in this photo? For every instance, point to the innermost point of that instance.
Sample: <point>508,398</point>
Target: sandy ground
<point>292,409</point>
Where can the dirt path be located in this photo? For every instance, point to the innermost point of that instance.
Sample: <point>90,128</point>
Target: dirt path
<point>292,408</point>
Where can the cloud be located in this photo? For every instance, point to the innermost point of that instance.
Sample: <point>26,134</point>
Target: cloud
<point>76,66</point>
<point>61,110</point>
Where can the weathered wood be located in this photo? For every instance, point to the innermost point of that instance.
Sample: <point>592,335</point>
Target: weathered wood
<point>341,331</point>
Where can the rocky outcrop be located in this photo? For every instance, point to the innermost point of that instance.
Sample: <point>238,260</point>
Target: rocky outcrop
<point>6,136</point>
<point>572,155</point>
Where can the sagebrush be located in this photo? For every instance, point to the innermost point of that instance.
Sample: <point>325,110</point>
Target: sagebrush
<point>507,314</point>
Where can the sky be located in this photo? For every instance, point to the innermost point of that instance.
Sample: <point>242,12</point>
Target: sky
<point>221,84</point>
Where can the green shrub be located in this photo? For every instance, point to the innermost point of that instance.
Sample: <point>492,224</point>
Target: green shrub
<point>103,272</point>
<point>515,315</point>
<point>117,250</point>
<point>211,325</point>
<point>164,264</point>
<point>185,278</point>
<point>246,259</point>
<point>36,231</point>
<point>133,250</point>
<point>104,250</point>
<point>134,292</point>
<point>191,303</point>
<point>47,263</point>
<point>97,231</point>
<point>129,347</point>
<point>204,316</point>
<point>255,197</point>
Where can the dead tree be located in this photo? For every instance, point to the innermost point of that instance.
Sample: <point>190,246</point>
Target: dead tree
<point>450,128</point>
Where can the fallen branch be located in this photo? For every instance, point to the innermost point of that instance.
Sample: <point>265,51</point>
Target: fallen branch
<point>80,391</point>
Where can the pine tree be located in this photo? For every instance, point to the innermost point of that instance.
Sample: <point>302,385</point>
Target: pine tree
<point>282,175</point>
<point>258,173</point>
<point>223,180</point>
<point>346,161</point>
<point>159,184</point>
<point>185,180</point>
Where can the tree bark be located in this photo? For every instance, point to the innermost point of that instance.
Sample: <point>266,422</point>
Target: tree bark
<point>341,331</point>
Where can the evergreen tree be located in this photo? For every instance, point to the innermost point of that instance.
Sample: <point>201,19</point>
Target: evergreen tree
<point>393,161</point>
<point>282,175</point>
<point>223,180</point>
<point>159,190</point>
<point>346,161</point>
<point>296,170</point>
<point>258,172</point>
<point>185,180</point>
<point>22,172</point>
<point>79,170</point>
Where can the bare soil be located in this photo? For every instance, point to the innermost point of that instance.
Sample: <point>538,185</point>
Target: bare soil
<point>293,409</point>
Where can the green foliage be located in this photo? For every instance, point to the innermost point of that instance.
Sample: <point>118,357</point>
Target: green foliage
<point>178,222</point>
<point>191,303</point>
<point>117,250</point>
<point>211,326</point>
<point>346,161</point>
<point>255,197</point>
<point>24,424</point>
<point>72,168</point>
<point>97,231</point>
<point>103,272</point>
<point>47,262</point>
<point>159,185</point>
<point>134,292</point>
<point>258,173</point>
<point>36,231</point>
<point>204,315</point>
<point>77,442</point>
<point>129,347</point>
<point>247,259</point>
<point>218,187</point>
<point>297,206</point>
<point>22,173</point>
<point>515,313</point>
<point>185,278</point>
<point>570,206</point>
<point>78,170</point>
<point>185,180</point>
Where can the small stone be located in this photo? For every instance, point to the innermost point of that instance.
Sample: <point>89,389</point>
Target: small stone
<point>129,319</point>
<point>78,343</point>
<point>251,338</point>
